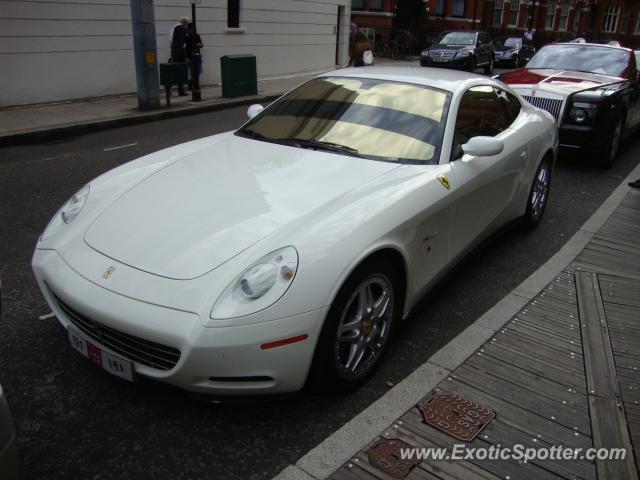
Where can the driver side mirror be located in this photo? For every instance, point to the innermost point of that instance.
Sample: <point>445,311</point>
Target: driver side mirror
<point>254,110</point>
<point>483,147</point>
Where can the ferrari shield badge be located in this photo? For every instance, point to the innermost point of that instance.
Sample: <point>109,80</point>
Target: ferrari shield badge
<point>108,272</point>
<point>444,181</point>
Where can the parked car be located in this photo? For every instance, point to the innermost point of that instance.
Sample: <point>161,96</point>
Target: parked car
<point>465,49</point>
<point>512,51</point>
<point>592,90</point>
<point>8,443</point>
<point>244,262</point>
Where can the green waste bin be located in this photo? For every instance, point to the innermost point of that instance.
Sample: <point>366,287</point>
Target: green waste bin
<point>173,74</point>
<point>239,75</point>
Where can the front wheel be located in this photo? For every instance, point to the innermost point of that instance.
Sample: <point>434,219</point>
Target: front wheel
<point>358,327</point>
<point>488,69</point>
<point>538,195</point>
<point>471,64</point>
<point>607,155</point>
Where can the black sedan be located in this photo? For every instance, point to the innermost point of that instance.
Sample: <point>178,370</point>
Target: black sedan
<point>592,91</point>
<point>512,51</point>
<point>464,49</point>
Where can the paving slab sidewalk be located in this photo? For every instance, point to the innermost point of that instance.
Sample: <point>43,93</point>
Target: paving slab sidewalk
<point>557,361</point>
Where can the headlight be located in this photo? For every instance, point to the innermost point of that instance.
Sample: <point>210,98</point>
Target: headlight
<point>463,53</point>
<point>69,211</point>
<point>578,115</point>
<point>582,113</point>
<point>509,53</point>
<point>425,53</point>
<point>259,286</point>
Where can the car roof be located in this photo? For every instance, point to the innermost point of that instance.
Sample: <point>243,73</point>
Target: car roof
<point>588,44</point>
<point>444,79</point>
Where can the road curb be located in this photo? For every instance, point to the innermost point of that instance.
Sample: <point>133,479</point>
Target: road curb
<point>344,443</point>
<point>79,128</point>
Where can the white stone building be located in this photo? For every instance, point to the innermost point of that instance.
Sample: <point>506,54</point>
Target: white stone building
<point>52,50</point>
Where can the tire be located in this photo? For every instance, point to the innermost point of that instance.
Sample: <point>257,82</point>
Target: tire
<point>606,156</point>
<point>538,194</point>
<point>488,69</point>
<point>343,362</point>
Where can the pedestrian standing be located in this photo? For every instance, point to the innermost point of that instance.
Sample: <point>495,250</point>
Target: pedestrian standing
<point>182,21</point>
<point>178,47</point>
<point>193,44</point>
<point>360,45</point>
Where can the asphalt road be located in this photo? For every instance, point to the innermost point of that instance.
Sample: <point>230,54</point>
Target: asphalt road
<point>76,421</point>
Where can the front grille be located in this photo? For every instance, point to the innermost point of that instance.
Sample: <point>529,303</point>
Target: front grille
<point>551,105</point>
<point>443,54</point>
<point>147,353</point>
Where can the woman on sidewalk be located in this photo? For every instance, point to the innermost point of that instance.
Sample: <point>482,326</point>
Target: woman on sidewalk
<point>193,44</point>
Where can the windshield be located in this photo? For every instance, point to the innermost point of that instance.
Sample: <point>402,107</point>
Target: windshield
<point>458,38</point>
<point>583,58</point>
<point>513,42</point>
<point>378,119</point>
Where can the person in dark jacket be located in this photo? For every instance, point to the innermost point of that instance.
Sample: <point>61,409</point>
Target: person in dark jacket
<point>178,45</point>
<point>193,44</point>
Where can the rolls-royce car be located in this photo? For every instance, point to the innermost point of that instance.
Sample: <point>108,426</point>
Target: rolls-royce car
<point>248,261</point>
<point>592,90</point>
<point>463,49</point>
<point>512,51</point>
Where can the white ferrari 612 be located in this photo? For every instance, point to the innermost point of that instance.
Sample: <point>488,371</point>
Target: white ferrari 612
<point>247,262</point>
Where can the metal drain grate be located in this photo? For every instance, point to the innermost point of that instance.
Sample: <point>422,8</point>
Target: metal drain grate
<point>385,455</point>
<point>460,418</point>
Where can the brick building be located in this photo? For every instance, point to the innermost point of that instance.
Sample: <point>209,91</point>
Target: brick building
<point>596,20</point>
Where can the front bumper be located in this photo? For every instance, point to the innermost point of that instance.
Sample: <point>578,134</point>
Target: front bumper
<point>577,138</point>
<point>223,361</point>
<point>455,62</point>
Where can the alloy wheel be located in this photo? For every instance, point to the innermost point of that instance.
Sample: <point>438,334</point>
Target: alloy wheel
<point>364,326</point>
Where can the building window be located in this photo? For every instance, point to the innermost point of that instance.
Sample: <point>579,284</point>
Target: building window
<point>513,12</point>
<point>624,25</point>
<point>611,19</point>
<point>458,8</point>
<point>564,15</point>
<point>357,4</point>
<point>233,13</point>
<point>498,6</point>
<point>551,15</point>
<point>375,5</point>
<point>440,7</point>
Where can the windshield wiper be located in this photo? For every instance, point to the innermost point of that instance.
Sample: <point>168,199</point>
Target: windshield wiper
<point>326,146</point>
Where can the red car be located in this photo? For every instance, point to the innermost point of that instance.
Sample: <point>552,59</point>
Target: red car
<point>592,90</point>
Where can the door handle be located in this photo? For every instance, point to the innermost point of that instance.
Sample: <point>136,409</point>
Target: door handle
<point>523,156</point>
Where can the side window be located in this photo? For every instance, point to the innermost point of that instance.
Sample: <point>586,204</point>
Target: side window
<point>479,114</point>
<point>510,105</point>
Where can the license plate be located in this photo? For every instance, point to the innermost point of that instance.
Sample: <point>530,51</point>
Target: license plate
<point>113,364</point>
<point>440,59</point>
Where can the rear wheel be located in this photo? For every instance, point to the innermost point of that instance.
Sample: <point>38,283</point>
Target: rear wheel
<point>358,327</point>
<point>539,194</point>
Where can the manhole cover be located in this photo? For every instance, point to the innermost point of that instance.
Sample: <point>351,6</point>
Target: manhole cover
<point>385,455</point>
<point>460,418</point>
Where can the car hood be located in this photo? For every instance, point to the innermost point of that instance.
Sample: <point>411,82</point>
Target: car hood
<point>455,48</point>
<point>502,48</point>
<point>564,82</point>
<point>216,201</point>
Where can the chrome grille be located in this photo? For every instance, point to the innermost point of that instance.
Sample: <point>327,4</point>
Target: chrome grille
<point>551,105</point>
<point>448,54</point>
<point>142,351</point>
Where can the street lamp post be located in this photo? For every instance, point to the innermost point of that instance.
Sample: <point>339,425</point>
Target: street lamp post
<point>195,71</point>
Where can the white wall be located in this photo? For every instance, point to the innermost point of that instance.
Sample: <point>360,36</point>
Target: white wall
<point>53,50</point>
